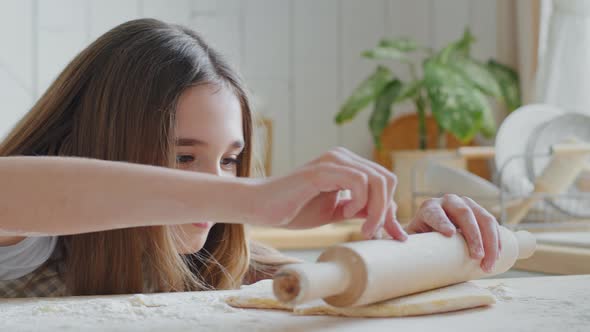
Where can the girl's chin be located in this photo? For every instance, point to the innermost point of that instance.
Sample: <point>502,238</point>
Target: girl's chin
<point>188,249</point>
<point>191,239</point>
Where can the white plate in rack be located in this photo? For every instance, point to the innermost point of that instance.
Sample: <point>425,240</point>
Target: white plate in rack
<point>511,145</point>
<point>569,126</point>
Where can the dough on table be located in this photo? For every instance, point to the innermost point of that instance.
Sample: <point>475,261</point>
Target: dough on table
<point>451,298</point>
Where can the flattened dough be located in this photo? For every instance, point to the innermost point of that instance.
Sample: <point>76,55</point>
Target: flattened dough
<point>452,298</point>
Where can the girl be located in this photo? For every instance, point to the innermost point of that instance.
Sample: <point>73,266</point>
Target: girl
<point>100,209</point>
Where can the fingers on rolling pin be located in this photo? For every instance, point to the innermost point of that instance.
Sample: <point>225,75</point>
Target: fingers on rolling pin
<point>432,215</point>
<point>488,227</point>
<point>464,217</point>
<point>392,226</point>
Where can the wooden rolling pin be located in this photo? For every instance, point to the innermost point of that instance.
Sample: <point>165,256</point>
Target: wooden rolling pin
<point>567,162</point>
<point>360,273</point>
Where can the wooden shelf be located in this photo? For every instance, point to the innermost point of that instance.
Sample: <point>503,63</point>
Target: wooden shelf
<point>315,238</point>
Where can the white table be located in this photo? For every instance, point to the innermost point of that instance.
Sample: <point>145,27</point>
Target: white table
<point>524,304</point>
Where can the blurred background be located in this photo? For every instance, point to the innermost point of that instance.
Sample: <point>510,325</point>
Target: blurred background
<point>300,59</point>
<point>396,81</point>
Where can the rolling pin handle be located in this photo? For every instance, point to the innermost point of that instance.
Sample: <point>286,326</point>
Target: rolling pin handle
<point>573,147</point>
<point>300,283</point>
<point>526,244</point>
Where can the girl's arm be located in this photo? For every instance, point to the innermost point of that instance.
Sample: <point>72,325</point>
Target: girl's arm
<point>63,195</point>
<point>58,196</point>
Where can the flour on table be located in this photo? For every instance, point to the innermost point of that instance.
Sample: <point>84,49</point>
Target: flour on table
<point>140,312</point>
<point>543,304</point>
<point>140,300</point>
<point>502,292</point>
<point>49,309</point>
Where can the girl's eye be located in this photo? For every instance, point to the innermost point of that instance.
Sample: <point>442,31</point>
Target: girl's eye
<point>230,162</point>
<point>184,159</point>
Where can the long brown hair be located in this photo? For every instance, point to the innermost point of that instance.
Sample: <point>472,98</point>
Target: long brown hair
<point>116,101</point>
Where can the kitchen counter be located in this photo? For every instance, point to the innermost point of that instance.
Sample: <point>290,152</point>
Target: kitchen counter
<point>524,304</point>
<point>559,253</point>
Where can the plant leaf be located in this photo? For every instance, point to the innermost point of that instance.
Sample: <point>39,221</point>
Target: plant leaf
<point>402,44</point>
<point>478,74</point>
<point>509,84</point>
<point>382,111</point>
<point>488,124</point>
<point>386,53</point>
<point>409,91</point>
<point>461,47</point>
<point>464,44</point>
<point>456,104</point>
<point>364,94</point>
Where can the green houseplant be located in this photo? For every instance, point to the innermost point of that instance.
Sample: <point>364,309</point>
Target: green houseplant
<point>456,88</point>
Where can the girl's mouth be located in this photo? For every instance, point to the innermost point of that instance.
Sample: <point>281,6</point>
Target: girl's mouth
<point>205,224</point>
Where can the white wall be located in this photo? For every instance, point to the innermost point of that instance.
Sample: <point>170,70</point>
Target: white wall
<point>299,57</point>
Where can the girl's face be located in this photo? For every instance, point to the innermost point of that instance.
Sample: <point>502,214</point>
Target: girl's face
<point>209,139</point>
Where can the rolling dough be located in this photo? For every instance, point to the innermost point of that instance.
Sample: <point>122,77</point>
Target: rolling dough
<point>452,298</point>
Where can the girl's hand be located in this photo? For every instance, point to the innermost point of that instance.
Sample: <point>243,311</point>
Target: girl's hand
<point>478,226</point>
<point>309,196</point>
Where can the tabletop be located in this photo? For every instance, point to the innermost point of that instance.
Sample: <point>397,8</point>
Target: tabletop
<point>537,304</point>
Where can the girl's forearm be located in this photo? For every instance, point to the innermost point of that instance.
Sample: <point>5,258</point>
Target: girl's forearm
<point>58,196</point>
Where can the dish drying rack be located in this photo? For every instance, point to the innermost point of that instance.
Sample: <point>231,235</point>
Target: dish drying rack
<point>566,209</point>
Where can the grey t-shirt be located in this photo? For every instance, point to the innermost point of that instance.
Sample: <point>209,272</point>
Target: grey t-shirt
<point>24,257</point>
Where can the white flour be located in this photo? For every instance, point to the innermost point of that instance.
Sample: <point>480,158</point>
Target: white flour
<point>502,292</point>
<point>132,312</point>
<point>525,304</point>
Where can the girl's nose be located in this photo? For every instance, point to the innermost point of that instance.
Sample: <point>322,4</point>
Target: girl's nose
<point>211,168</point>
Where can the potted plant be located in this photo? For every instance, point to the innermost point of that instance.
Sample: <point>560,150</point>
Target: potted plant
<point>453,88</point>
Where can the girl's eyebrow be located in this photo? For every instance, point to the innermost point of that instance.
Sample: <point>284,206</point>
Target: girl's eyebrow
<point>189,142</point>
<point>183,141</point>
